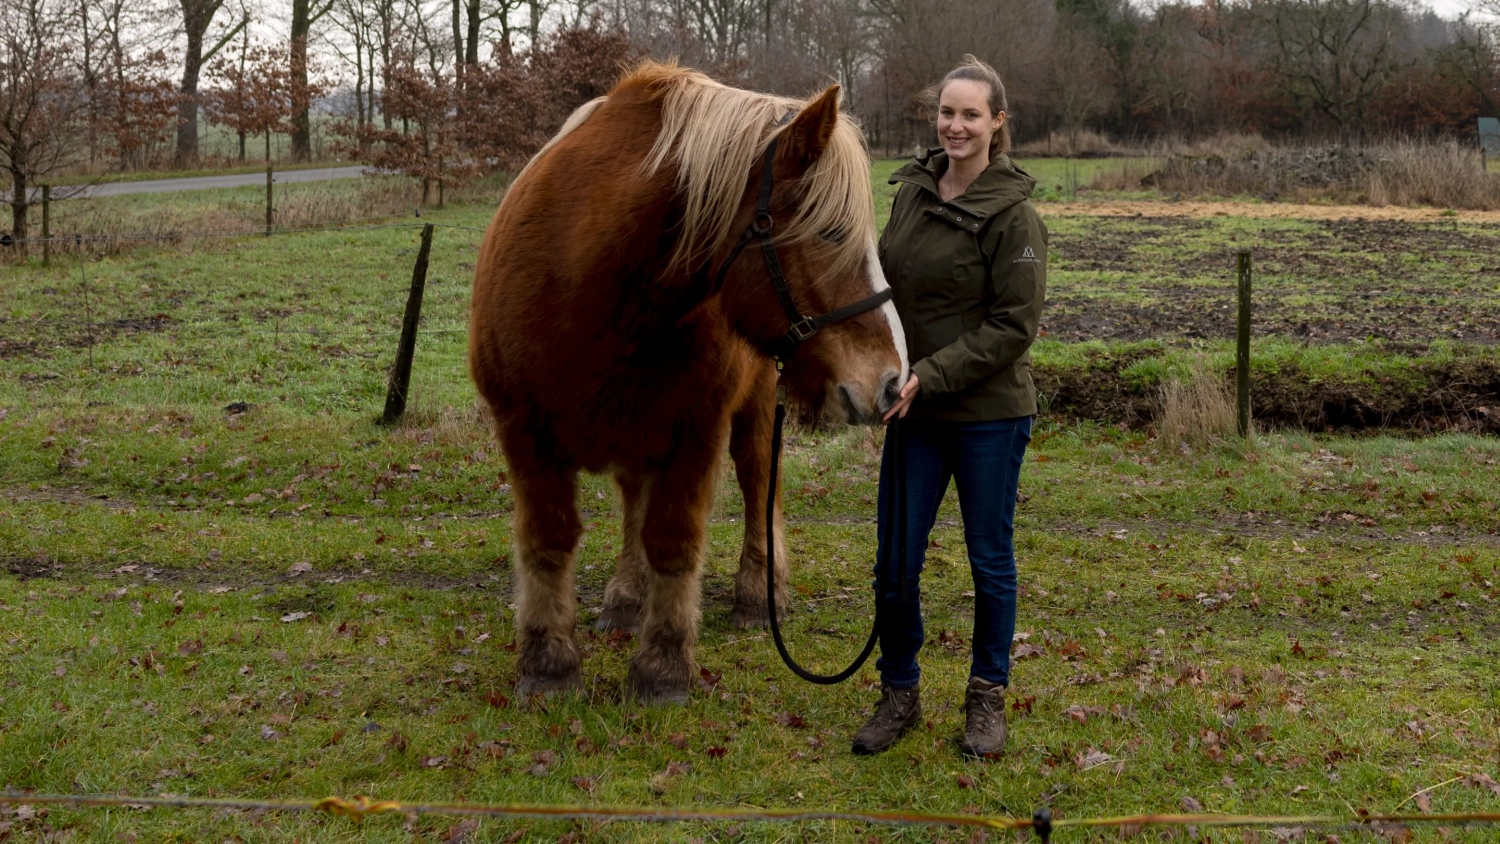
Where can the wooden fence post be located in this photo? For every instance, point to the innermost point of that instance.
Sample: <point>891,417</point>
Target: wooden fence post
<point>1242,352</point>
<point>268,200</point>
<point>395,396</point>
<point>46,225</point>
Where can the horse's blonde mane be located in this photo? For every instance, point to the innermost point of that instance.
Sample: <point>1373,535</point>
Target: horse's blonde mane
<point>714,135</point>
<point>574,120</point>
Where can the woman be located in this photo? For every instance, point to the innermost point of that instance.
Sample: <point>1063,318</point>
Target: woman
<point>966,254</point>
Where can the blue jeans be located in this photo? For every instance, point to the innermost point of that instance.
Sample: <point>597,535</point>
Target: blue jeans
<point>985,460</point>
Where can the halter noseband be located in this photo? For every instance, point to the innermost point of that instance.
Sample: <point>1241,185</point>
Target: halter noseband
<point>802,328</point>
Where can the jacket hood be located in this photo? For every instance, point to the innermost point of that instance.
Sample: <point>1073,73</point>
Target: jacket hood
<point>1001,185</point>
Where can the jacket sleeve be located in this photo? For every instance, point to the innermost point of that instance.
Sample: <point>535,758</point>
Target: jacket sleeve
<point>1018,275</point>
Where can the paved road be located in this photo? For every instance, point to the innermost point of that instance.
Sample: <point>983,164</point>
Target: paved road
<point>199,183</point>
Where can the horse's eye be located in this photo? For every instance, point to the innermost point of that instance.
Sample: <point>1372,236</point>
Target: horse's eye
<point>833,235</point>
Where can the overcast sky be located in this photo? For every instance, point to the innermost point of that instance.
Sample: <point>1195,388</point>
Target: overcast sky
<point>1448,8</point>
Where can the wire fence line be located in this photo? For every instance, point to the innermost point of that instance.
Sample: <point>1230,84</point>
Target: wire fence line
<point>149,323</point>
<point>176,235</point>
<point>160,321</point>
<point>1042,823</point>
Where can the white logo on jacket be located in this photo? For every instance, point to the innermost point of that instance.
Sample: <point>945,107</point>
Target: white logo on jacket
<point>1027,257</point>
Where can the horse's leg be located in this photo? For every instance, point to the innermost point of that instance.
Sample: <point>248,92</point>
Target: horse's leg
<point>627,589</point>
<point>547,528</point>
<point>750,446</point>
<point>673,532</point>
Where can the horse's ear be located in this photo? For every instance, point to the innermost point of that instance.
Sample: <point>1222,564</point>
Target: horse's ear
<point>805,139</point>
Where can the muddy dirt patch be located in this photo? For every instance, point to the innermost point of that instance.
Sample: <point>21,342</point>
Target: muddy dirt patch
<point>1330,281</point>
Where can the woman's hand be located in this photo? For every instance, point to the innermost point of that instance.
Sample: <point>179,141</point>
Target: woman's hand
<point>909,394</point>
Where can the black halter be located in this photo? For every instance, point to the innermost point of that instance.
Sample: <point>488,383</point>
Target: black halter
<point>802,328</point>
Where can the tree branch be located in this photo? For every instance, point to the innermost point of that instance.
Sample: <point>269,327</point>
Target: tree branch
<point>228,36</point>
<point>313,17</point>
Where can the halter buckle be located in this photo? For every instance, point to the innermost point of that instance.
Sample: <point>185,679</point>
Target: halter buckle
<point>762,224</point>
<point>802,329</point>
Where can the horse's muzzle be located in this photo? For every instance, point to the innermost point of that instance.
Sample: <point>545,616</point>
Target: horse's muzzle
<point>871,412</point>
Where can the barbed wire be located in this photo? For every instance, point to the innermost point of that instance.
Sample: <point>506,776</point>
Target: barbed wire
<point>1041,822</point>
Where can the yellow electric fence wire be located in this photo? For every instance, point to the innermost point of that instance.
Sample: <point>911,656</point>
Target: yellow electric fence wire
<point>360,807</point>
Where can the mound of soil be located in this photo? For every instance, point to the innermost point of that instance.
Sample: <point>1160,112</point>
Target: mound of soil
<point>1458,395</point>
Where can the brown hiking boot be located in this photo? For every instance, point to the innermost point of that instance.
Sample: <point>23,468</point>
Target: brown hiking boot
<point>898,711</point>
<point>984,719</point>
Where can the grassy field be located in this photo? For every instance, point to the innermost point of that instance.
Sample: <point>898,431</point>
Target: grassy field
<point>292,601</point>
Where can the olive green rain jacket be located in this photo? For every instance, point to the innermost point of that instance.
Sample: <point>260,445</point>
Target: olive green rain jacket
<point>970,278</point>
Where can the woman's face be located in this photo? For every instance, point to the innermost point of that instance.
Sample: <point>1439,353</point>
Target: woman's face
<point>964,122</point>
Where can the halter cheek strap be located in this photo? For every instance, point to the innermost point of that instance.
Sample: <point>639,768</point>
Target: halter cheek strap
<point>801,328</point>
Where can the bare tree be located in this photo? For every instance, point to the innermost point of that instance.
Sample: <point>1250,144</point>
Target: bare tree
<point>428,148</point>
<point>1473,57</point>
<point>42,106</point>
<point>920,40</point>
<point>1334,55</point>
<point>197,16</point>
<point>357,20</point>
<point>1077,89</point>
<point>305,13</point>
<point>256,94</point>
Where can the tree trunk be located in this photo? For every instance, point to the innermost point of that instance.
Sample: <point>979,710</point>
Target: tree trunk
<point>196,17</point>
<point>303,17</point>
<point>471,51</point>
<point>458,41</point>
<point>19,203</point>
<point>242,147</point>
<point>90,82</point>
<point>385,69</point>
<point>534,21</point>
<point>192,63</point>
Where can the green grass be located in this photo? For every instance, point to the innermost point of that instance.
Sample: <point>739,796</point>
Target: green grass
<point>1303,626</point>
<point>1336,667</point>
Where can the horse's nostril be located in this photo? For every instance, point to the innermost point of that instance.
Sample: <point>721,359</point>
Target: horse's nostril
<point>890,391</point>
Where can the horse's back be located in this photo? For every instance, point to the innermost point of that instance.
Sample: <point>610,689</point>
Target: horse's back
<point>563,290</point>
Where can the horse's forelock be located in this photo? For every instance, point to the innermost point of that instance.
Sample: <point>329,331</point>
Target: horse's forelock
<point>714,135</point>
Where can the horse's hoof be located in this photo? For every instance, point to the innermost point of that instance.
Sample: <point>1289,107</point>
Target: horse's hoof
<point>658,693</point>
<point>549,686</point>
<point>622,617</point>
<point>754,616</point>
<point>663,680</point>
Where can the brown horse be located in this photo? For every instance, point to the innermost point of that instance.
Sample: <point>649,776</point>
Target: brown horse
<point>613,331</point>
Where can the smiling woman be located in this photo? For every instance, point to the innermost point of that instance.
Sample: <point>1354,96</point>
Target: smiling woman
<point>965,253</point>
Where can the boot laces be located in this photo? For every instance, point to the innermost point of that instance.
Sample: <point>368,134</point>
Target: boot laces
<point>981,708</point>
<point>890,711</point>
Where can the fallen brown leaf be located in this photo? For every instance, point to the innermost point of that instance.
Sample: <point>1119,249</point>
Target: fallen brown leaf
<point>586,784</point>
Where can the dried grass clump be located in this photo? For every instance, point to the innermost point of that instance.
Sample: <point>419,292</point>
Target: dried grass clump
<point>425,423</point>
<point>1196,413</point>
<point>1444,174</point>
<point>1081,143</point>
<point>1223,144</point>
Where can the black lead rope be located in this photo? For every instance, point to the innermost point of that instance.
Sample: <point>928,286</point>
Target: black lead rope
<point>898,495</point>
